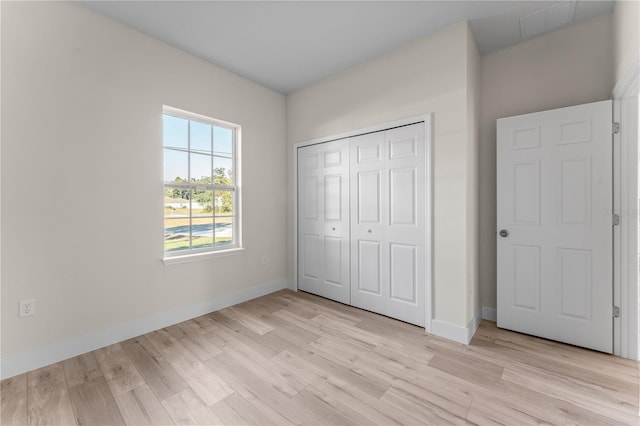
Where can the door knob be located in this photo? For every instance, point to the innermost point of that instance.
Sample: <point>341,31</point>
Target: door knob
<point>504,233</point>
<point>369,230</point>
<point>333,229</point>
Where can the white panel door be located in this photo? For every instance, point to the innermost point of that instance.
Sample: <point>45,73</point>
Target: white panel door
<point>388,222</point>
<point>555,240</point>
<point>323,220</point>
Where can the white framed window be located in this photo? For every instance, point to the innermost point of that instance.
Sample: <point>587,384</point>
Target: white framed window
<point>201,184</point>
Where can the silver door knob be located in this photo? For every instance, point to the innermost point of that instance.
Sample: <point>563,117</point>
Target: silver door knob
<point>504,233</point>
<point>333,229</point>
<point>369,230</point>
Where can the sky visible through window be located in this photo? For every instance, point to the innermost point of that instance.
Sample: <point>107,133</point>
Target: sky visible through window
<point>176,135</point>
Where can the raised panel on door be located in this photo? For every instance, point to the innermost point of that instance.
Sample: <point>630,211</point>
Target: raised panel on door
<point>333,198</point>
<point>311,261</point>
<point>369,197</point>
<point>526,277</point>
<point>526,193</point>
<point>369,268</point>
<point>574,192</point>
<point>555,258</point>
<point>574,282</point>
<point>334,261</point>
<point>403,270</point>
<point>403,194</point>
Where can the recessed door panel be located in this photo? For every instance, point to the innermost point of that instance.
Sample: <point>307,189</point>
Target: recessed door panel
<point>333,197</point>
<point>574,203</point>
<point>526,277</point>
<point>311,266</point>
<point>575,132</point>
<point>403,268</point>
<point>332,158</point>
<point>402,148</point>
<point>369,267</point>
<point>368,153</point>
<point>368,195</point>
<point>526,138</point>
<point>526,193</point>
<point>310,197</point>
<point>333,260</point>
<point>575,280</point>
<point>403,196</point>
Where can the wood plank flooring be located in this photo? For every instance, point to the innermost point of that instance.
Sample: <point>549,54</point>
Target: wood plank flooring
<point>293,358</point>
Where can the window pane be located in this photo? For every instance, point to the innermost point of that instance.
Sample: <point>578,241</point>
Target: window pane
<point>175,131</point>
<point>224,203</point>
<point>224,231</point>
<point>176,235</point>
<point>176,203</point>
<point>223,170</point>
<point>202,232</point>
<point>202,202</point>
<point>200,137</point>
<point>223,141</point>
<point>176,166</point>
<point>200,168</point>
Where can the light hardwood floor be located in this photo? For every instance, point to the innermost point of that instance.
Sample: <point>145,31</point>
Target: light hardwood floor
<point>293,358</point>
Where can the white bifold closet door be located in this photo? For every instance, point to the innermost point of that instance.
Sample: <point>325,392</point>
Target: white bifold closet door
<point>323,220</point>
<point>388,222</point>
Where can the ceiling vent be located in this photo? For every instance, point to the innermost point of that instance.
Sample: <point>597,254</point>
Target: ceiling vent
<point>547,19</point>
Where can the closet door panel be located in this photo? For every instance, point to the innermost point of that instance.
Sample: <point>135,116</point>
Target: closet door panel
<point>323,220</point>
<point>369,277</point>
<point>405,236</point>
<point>388,188</point>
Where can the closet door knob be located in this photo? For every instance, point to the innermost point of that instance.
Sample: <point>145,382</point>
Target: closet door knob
<point>333,229</point>
<point>369,230</point>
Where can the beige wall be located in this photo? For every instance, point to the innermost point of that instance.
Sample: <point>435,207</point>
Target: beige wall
<point>429,75</point>
<point>566,67</point>
<point>82,211</point>
<point>626,30</point>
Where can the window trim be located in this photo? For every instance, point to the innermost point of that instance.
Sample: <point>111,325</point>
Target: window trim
<point>204,253</point>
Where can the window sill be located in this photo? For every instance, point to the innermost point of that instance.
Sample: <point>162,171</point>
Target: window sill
<point>194,257</point>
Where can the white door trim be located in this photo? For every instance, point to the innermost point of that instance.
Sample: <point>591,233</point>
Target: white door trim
<point>626,280</point>
<point>427,119</point>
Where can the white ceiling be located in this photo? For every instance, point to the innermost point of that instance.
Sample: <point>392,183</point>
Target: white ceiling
<point>287,45</point>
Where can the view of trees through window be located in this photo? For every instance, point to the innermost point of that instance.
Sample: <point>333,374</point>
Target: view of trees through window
<point>199,184</point>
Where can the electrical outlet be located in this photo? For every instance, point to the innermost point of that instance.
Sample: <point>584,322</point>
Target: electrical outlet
<point>27,307</point>
<point>264,259</point>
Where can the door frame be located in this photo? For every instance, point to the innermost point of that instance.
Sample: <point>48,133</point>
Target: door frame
<point>427,120</point>
<point>626,281</point>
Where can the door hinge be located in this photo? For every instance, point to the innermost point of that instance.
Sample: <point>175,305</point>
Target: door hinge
<point>616,127</point>
<point>616,312</point>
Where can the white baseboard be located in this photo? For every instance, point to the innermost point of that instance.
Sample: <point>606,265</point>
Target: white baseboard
<point>30,360</point>
<point>489,314</point>
<point>455,332</point>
